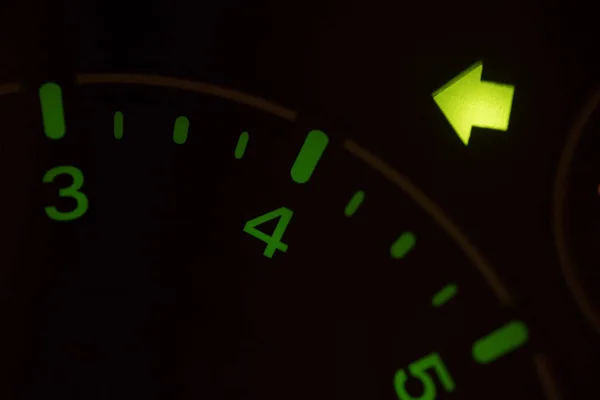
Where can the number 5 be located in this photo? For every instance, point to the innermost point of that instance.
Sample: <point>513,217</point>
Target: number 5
<point>417,370</point>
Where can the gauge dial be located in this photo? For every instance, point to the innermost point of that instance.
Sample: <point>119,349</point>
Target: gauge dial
<point>187,238</point>
<point>577,210</point>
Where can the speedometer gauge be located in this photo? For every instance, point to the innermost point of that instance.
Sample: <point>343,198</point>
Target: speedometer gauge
<point>187,238</point>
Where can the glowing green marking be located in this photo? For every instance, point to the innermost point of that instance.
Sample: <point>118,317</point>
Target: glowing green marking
<point>403,245</point>
<point>354,203</point>
<point>503,340</point>
<point>180,131</point>
<point>72,191</point>
<point>118,125</point>
<point>273,241</point>
<point>429,370</point>
<point>444,295</point>
<point>52,110</point>
<point>467,101</point>
<point>310,154</point>
<point>240,148</point>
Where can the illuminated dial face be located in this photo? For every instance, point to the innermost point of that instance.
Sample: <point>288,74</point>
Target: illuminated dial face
<point>185,238</point>
<point>577,210</point>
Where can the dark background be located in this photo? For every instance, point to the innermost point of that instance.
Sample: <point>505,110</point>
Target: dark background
<point>373,66</point>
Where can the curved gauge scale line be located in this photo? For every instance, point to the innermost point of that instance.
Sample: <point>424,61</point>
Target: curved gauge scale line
<point>574,202</point>
<point>427,372</point>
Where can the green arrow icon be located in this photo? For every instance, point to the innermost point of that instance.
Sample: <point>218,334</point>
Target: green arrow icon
<point>467,101</point>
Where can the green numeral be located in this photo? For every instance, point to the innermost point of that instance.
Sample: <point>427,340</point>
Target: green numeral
<point>274,241</point>
<point>70,191</point>
<point>418,370</point>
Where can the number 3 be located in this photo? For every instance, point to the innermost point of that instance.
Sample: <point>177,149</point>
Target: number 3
<point>417,370</point>
<point>70,191</point>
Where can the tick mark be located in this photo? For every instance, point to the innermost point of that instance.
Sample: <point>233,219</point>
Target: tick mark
<point>180,131</point>
<point>118,125</point>
<point>354,203</point>
<point>240,148</point>
<point>52,110</point>
<point>309,155</point>
<point>403,245</point>
<point>500,342</point>
<point>444,295</point>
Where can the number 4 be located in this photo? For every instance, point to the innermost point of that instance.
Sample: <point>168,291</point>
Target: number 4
<point>274,241</point>
<point>418,370</point>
